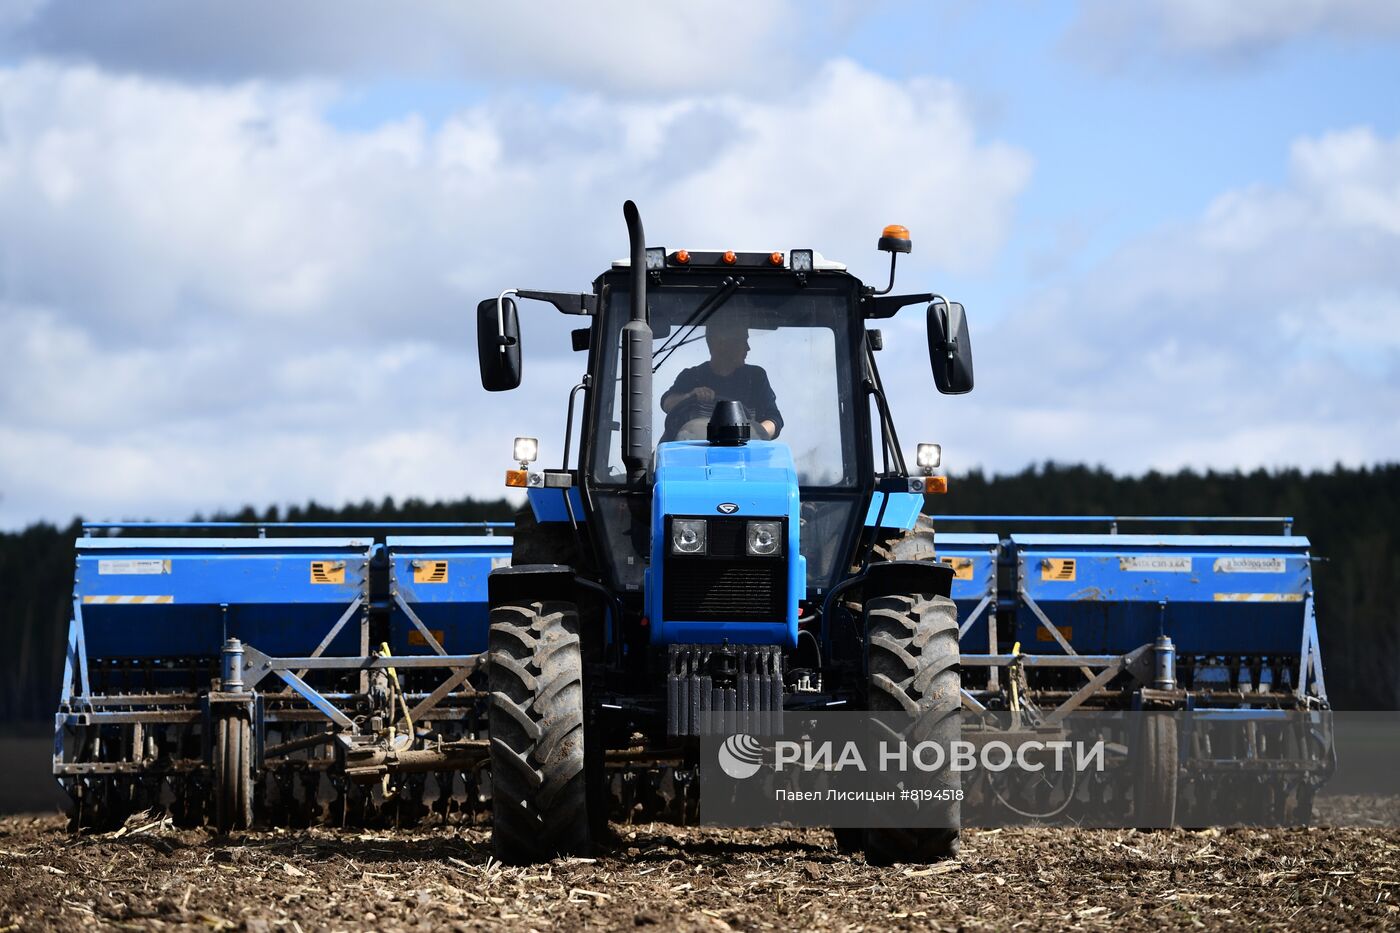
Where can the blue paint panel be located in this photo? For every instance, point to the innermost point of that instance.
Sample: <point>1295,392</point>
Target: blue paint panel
<point>694,478</point>
<point>266,584</point>
<point>974,560</point>
<point>1224,594</point>
<point>449,595</point>
<point>902,511</point>
<point>548,504</point>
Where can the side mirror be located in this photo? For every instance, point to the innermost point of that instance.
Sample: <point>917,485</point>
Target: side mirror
<point>498,344</point>
<point>949,347</point>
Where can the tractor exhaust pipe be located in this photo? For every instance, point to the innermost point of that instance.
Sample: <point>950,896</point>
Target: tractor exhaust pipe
<point>636,360</point>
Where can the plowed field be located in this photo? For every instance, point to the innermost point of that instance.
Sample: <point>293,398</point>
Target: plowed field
<point>152,876</point>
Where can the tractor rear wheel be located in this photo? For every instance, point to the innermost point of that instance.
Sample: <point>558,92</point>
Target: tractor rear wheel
<point>538,782</point>
<point>233,783</point>
<point>912,645</point>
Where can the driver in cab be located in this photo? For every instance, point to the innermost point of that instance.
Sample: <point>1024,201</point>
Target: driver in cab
<point>690,402</point>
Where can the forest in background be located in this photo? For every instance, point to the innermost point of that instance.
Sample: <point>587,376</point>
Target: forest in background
<point>1350,515</point>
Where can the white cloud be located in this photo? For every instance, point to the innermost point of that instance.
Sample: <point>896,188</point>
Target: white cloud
<point>615,45</point>
<point>213,296</point>
<point>1264,333</point>
<point>1116,35</point>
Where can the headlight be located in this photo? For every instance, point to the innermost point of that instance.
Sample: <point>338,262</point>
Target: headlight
<point>688,535</point>
<point>765,539</point>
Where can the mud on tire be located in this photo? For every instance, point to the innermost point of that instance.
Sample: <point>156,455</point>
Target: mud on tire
<point>912,645</point>
<point>539,801</point>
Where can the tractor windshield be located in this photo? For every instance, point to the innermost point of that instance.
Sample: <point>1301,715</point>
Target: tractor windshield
<point>784,354</point>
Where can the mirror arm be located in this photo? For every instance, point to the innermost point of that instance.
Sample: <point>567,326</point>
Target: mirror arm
<point>566,302</point>
<point>878,307</point>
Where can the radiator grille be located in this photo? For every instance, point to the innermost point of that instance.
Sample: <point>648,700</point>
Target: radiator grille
<point>725,590</point>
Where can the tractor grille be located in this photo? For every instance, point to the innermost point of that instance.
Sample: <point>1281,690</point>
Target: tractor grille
<point>724,590</point>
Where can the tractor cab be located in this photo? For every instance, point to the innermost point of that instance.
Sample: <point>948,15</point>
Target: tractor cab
<point>788,458</point>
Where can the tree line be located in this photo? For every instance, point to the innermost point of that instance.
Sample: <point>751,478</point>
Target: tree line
<point>1351,517</point>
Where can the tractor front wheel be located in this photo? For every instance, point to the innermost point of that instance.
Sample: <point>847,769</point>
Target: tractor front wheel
<point>912,650</point>
<point>538,782</point>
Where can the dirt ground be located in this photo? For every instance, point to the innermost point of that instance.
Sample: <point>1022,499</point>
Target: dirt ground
<point>150,875</point>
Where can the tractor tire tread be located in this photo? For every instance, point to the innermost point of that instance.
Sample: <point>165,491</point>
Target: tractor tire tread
<point>537,726</point>
<point>914,668</point>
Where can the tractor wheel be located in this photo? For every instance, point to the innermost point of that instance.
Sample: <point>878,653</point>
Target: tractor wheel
<point>1154,787</point>
<point>233,782</point>
<point>538,792</point>
<point>912,644</point>
<point>912,544</point>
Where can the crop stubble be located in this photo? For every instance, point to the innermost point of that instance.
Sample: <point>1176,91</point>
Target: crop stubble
<point>150,875</point>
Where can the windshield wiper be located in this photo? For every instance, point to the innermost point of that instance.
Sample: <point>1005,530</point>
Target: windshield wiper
<point>697,317</point>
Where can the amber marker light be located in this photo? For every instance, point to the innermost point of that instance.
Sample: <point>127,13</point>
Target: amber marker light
<point>518,478</point>
<point>683,257</point>
<point>936,485</point>
<point>776,258</point>
<point>895,239</point>
<point>729,258</point>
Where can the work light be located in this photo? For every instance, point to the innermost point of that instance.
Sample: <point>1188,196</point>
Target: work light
<point>928,456</point>
<point>800,260</point>
<point>526,450</point>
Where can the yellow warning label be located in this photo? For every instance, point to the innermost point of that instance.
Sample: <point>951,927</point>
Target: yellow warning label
<point>328,571</point>
<point>415,637</point>
<point>1043,634</point>
<point>127,600</point>
<point>962,567</point>
<point>1057,568</point>
<point>1259,597</point>
<point>430,571</point>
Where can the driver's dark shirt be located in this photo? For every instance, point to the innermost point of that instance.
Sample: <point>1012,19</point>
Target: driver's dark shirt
<point>747,384</point>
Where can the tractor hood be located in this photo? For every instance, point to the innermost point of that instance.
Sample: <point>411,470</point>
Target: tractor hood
<point>750,480</point>
<point>725,486</point>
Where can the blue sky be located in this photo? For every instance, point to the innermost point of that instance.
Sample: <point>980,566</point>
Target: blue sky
<point>240,242</point>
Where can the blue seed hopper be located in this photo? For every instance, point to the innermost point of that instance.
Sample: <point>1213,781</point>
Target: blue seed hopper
<point>169,598</point>
<point>1221,619</point>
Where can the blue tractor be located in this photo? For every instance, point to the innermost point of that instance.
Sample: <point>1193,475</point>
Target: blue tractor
<point>740,534</point>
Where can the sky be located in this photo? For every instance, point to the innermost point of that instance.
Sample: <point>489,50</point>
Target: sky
<point>241,243</point>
